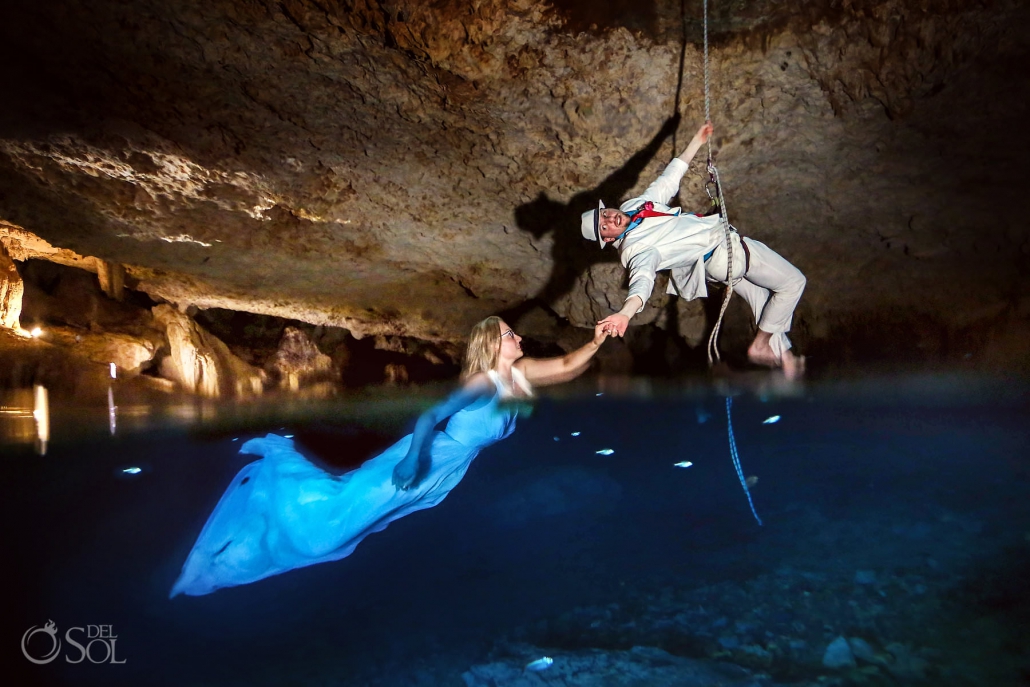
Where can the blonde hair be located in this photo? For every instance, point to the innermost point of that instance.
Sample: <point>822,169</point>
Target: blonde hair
<point>483,348</point>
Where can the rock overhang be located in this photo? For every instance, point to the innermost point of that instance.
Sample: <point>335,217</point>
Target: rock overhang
<point>403,169</point>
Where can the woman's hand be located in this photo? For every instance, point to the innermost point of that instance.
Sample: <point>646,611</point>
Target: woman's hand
<point>405,473</point>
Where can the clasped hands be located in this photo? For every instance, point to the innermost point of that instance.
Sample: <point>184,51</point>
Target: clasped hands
<point>613,325</point>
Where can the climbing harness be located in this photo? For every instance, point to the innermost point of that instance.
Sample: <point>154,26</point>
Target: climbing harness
<point>736,458</point>
<point>718,199</point>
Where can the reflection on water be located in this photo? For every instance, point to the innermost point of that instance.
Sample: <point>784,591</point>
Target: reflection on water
<point>16,422</point>
<point>25,417</point>
<point>112,411</point>
<point>45,418</point>
<point>41,414</point>
<point>31,416</point>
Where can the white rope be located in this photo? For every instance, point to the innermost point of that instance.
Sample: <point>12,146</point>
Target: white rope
<point>713,347</point>
<point>736,459</point>
<point>713,339</point>
<point>708,116</point>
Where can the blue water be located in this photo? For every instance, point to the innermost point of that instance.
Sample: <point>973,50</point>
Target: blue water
<point>895,511</point>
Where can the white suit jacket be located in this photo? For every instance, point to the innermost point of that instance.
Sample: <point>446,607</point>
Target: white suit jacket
<point>676,243</point>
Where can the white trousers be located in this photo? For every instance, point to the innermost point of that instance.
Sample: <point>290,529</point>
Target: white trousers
<point>772,287</point>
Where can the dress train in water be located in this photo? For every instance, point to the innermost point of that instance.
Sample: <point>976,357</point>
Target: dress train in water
<point>282,512</point>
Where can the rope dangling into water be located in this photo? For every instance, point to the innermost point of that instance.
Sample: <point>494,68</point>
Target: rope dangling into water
<point>736,458</point>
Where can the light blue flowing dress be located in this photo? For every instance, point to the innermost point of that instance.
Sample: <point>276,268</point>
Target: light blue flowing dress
<point>282,512</point>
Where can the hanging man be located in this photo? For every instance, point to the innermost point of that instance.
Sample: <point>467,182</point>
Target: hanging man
<point>651,236</point>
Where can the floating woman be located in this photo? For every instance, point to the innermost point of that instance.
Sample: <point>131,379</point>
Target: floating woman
<point>282,512</point>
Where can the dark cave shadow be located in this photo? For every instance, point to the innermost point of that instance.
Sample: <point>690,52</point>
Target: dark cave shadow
<point>340,448</point>
<point>571,254</point>
<point>679,75</point>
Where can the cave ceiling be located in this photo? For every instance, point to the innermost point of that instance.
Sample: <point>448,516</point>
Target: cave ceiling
<point>408,167</point>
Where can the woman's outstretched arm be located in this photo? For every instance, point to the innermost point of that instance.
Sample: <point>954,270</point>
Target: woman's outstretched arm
<point>544,371</point>
<point>413,467</point>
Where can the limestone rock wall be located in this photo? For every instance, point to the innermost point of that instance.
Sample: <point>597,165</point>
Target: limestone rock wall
<point>129,353</point>
<point>298,361</point>
<point>202,364</point>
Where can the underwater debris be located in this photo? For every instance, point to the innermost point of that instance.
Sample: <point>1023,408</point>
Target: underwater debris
<point>751,481</point>
<point>131,471</point>
<point>540,664</point>
<point>838,655</point>
<point>605,452</point>
<point>682,464</point>
<point>771,420</point>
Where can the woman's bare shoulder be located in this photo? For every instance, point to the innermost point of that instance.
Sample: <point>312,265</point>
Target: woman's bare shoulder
<point>477,382</point>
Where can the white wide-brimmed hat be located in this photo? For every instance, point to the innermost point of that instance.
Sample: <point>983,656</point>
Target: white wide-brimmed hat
<point>591,224</point>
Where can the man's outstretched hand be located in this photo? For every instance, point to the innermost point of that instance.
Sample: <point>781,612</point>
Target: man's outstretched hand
<point>615,324</point>
<point>704,133</point>
<point>700,138</point>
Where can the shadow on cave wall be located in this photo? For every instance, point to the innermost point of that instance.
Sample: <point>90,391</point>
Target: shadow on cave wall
<point>572,255</point>
<point>656,350</point>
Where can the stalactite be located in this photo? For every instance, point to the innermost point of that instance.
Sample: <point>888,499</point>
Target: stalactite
<point>11,291</point>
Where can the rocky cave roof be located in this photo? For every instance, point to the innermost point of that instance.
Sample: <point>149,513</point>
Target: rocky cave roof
<point>408,168</point>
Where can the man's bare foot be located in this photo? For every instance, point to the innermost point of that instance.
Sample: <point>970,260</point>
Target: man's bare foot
<point>793,365</point>
<point>761,353</point>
